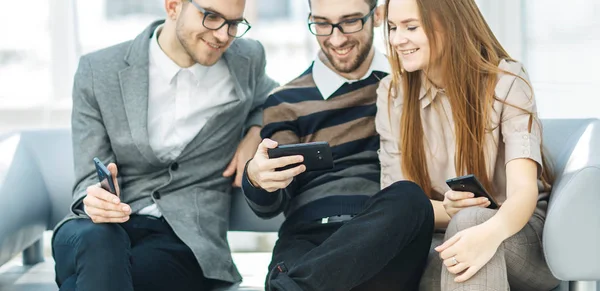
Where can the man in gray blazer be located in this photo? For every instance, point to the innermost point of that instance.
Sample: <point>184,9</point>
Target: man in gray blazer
<point>178,109</point>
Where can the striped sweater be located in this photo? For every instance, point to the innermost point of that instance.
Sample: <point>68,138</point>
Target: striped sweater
<point>298,113</point>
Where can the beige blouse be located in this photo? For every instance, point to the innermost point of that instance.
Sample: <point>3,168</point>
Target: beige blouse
<point>510,140</point>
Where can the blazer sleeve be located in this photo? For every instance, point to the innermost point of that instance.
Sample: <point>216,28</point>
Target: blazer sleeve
<point>263,86</point>
<point>89,135</point>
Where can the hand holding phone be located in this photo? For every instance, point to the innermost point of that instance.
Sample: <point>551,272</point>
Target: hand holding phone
<point>317,155</point>
<point>467,191</point>
<point>272,174</point>
<point>102,202</point>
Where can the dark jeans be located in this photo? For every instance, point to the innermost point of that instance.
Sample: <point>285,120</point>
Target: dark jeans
<point>140,254</point>
<point>384,247</point>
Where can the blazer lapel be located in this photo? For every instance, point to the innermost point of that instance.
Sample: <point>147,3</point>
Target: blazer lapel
<point>134,87</point>
<point>239,68</point>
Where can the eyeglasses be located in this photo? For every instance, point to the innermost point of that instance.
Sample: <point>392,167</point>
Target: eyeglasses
<point>214,21</point>
<point>347,26</point>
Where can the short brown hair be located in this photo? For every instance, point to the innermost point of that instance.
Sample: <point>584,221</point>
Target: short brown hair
<point>372,3</point>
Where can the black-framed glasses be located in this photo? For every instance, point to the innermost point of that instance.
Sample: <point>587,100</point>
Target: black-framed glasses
<point>214,21</point>
<point>347,26</point>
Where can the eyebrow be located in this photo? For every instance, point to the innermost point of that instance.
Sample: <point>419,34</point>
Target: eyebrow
<point>409,20</point>
<point>212,10</point>
<point>357,14</point>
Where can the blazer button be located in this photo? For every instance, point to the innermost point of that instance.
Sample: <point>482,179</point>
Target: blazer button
<point>174,166</point>
<point>156,195</point>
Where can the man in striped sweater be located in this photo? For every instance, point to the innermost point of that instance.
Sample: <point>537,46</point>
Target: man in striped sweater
<point>341,232</point>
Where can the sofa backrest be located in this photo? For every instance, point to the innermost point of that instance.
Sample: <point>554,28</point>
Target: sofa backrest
<point>51,150</point>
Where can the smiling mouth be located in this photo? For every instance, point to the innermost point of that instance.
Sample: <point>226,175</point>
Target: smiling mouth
<point>212,45</point>
<point>342,52</point>
<point>408,52</point>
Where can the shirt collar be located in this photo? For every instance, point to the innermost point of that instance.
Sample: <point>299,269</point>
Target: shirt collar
<point>168,67</point>
<point>428,94</point>
<point>328,81</point>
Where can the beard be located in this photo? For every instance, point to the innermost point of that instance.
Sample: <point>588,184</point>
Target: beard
<point>185,39</point>
<point>354,64</point>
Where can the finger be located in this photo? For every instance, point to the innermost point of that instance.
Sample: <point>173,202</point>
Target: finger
<point>458,195</point>
<point>450,262</point>
<point>284,161</point>
<point>112,168</point>
<point>94,202</point>
<point>231,168</point>
<point>448,244</point>
<point>98,219</point>
<point>93,211</point>
<point>485,205</point>
<point>466,275</point>
<point>471,202</point>
<point>265,145</point>
<point>99,193</point>
<point>457,268</point>
<point>282,176</point>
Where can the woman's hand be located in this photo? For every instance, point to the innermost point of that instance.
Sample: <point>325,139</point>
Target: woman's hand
<point>469,250</point>
<point>454,201</point>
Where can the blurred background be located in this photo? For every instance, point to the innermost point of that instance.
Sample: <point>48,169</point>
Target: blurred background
<point>42,41</point>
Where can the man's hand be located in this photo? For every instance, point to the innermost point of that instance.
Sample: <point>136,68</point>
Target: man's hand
<point>103,206</point>
<point>261,169</point>
<point>244,152</point>
<point>454,201</point>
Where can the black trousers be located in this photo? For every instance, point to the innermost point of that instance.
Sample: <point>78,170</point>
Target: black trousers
<point>384,247</point>
<point>141,254</point>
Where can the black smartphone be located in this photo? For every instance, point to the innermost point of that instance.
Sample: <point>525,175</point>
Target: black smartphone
<point>469,183</point>
<point>104,176</point>
<point>317,155</point>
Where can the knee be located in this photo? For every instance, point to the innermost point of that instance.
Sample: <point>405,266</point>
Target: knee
<point>408,197</point>
<point>469,217</point>
<point>85,234</point>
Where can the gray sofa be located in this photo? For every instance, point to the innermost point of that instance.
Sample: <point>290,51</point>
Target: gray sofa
<point>36,176</point>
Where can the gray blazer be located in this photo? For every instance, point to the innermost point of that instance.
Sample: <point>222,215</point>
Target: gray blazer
<point>109,121</point>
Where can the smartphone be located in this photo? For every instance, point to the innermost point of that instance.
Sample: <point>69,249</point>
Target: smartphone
<point>317,155</point>
<point>469,183</point>
<point>104,176</point>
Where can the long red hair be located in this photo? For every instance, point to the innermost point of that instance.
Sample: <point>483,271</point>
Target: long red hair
<point>469,67</point>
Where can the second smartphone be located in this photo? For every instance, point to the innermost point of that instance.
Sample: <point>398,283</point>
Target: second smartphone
<point>317,155</point>
<point>469,183</point>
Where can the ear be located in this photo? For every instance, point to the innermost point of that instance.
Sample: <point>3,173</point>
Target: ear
<point>379,15</point>
<point>173,8</point>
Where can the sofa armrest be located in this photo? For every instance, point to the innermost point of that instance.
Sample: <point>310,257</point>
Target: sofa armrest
<point>24,209</point>
<point>572,229</point>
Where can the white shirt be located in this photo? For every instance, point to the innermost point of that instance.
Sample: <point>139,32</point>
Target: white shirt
<point>181,101</point>
<point>328,81</point>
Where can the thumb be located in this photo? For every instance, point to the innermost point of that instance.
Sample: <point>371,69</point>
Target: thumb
<point>112,168</point>
<point>265,145</point>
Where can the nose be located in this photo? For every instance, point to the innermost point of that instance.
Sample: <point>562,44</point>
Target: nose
<point>337,38</point>
<point>222,33</point>
<point>397,38</point>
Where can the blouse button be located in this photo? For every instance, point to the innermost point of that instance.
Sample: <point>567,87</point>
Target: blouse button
<point>526,152</point>
<point>525,136</point>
